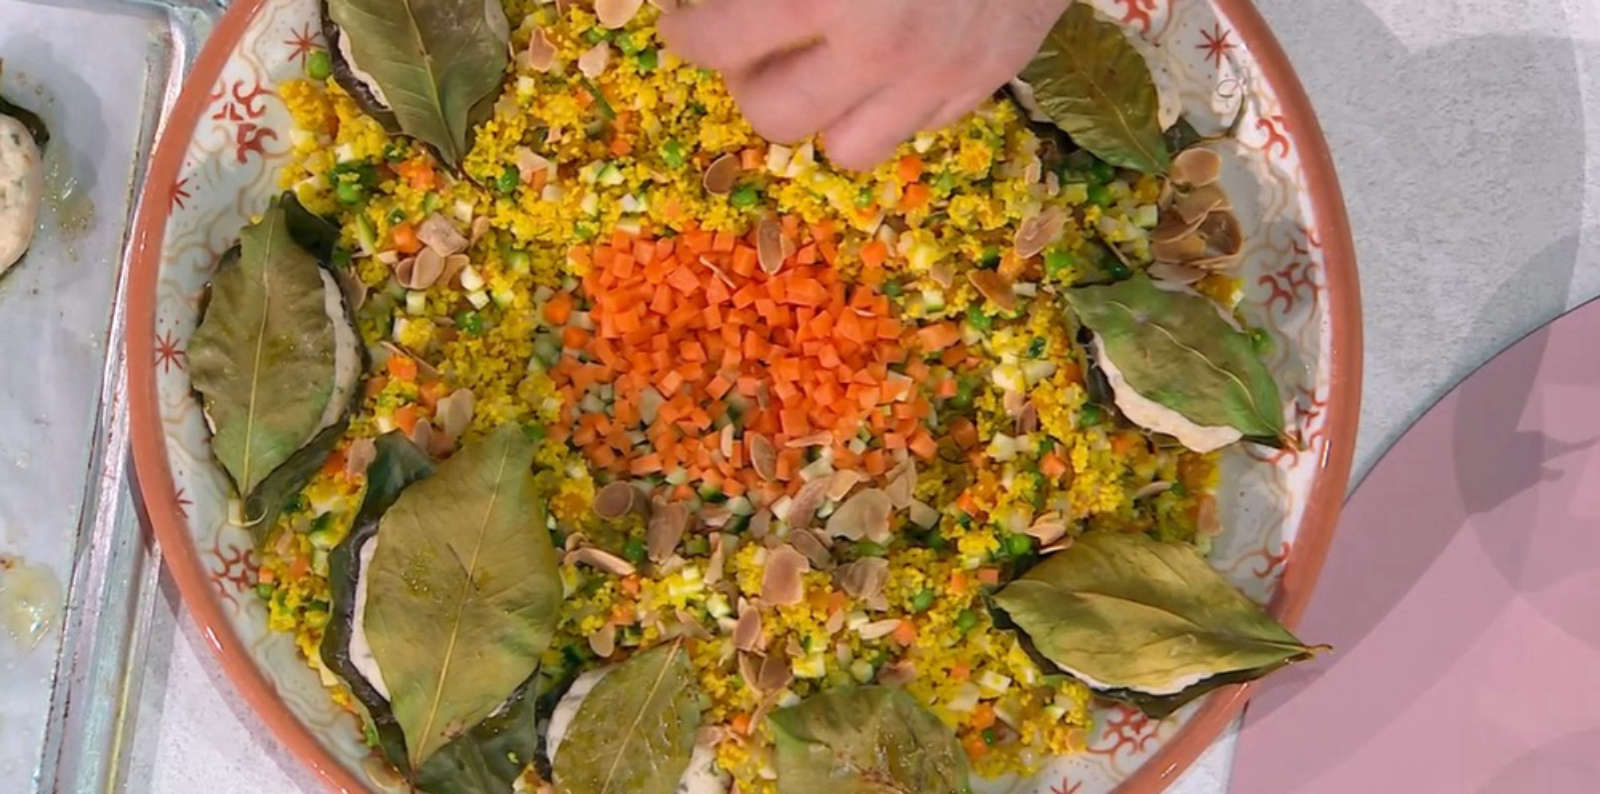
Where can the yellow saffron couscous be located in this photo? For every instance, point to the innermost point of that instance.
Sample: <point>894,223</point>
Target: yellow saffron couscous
<point>736,327</point>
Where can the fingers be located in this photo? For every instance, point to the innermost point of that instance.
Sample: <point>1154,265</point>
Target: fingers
<point>794,95</point>
<point>868,134</point>
<point>954,110</point>
<point>734,35</point>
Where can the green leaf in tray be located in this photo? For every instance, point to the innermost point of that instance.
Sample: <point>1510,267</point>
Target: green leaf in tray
<point>489,758</point>
<point>463,591</point>
<point>432,66</point>
<point>309,230</point>
<point>1090,81</point>
<point>1120,611</point>
<point>262,506</point>
<point>866,740</point>
<point>275,359</point>
<point>634,731</point>
<point>1177,365</point>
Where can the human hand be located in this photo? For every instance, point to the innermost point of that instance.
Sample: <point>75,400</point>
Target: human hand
<point>867,74</point>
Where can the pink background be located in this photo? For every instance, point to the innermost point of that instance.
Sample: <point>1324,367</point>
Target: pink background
<point>1463,599</point>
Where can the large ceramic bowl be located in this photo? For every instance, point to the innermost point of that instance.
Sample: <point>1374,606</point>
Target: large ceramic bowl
<point>216,164</point>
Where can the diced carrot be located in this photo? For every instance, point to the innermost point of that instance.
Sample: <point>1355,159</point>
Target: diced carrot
<point>574,337</point>
<point>402,368</point>
<point>923,445</point>
<point>905,633</point>
<point>1053,466</point>
<point>740,724</point>
<point>724,242</point>
<point>432,392</point>
<point>299,566</point>
<point>958,582</point>
<point>939,335</point>
<point>334,464</point>
<point>975,746</point>
<point>630,585</point>
<point>960,671</point>
<point>875,253</point>
<point>909,168</point>
<point>405,238</point>
<point>983,716</point>
<point>406,418</point>
<point>558,310</point>
<point>915,197</point>
<point>989,575</point>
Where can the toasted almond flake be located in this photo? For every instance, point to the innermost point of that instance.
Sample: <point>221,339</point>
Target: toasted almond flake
<point>866,514</point>
<point>901,487</point>
<point>1047,528</point>
<point>863,578</point>
<point>354,289</point>
<point>835,622</point>
<point>717,271</point>
<point>594,60</point>
<point>806,542</point>
<point>388,257</point>
<point>541,51</point>
<point>769,245</point>
<point>666,527</point>
<point>1033,171</point>
<point>455,412</point>
<point>1013,401</point>
<point>763,457</point>
<point>995,287</point>
<point>453,265</point>
<point>781,582</point>
<point>792,649</point>
<point>573,542</point>
<point>715,515</point>
<point>787,247</point>
<point>1176,274</point>
<point>760,523</point>
<point>600,559</point>
<point>421,271</point>
<point>805,503</point>
<point>842,481</point>
<point>725,442</point>
<point>422,436</point>
<point>942,273</point>
<point>1223,235</point>
<point>614,14</point>
<point>684,624</point>
<point>359,456</point>
<point>897,673</point>
<point>720,175</point>
<point>775,673</point>
<point>714,565</point>
<point>530,163</point>
<point>878,628</point>
<point>747,632</point>
<point>604,640</point>
<point>480,227</point>
<point>1172,228</point>
<point>750,668</point>
<point>1038,232</point>
<point>1194,205</point>
<point>923,515</point>
<point>1028,420</point>
<point>1196,167</point>
<point>1063,545</point>
<point>437,232</point>
<point>617,499</point>
<point>1153,489</point>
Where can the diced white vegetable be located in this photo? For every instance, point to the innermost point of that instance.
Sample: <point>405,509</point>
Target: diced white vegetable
<point>471,279</point>
<point>992,683</point>
<point>478,299</point>
<point>812,665</point>
<point>965,699</point>
<point>416,302</point>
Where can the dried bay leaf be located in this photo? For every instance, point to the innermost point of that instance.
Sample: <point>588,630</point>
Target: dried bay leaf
<point>634,731</point>
<point>1090,81</point>
<point>1122,611</point>
<point>464,591</point>
<point>436,65</point>
<point>276,361</point>
<point>1177,365</point>
<point>866,740</point>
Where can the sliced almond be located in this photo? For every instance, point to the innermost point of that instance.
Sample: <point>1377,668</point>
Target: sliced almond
<point>1194,205</point>
<point>1196,167</point>
<point>805,503</point>
<point>541,52</point>
<point>714,565</point>
<point>594,60</point>
<point>1048,528</point>
<point>775,673</point>
<point>763,456</point>
<point>604,640</point>
<point>422,435</point>
<point>1038,232</point>
<point>787,247</point>
<point>901,488</point>
<point>1061,545</point>
<point>1028,419</point>
<point>1153,489</point>
<point>769,244</point>
<point>480,227</point>
<point>878,628</point>
<point>760,524</point>
<point>781,577</point>
<point>863,578</point>
<point>1176,274</point>
<point>530,163</point>
<point>835,622</point>
<point>354,289</point>
<point>1223,235</point>
<point>453,265</point>
<point>359,456</point>
<point>750,668</point>
<point>725,442</point>
<point>842,481</point>
<point>864,515</point>
<point>438,233</point>
<point>426,370</point>
<point>816,552</point>
<point>720,175</point>
<point>1172,228</point>
<point>421,271</point>
<point>897,673</point>
<point>923,514</point>
<point>601,560</point>
<point>666,527</point>
<point>942,273</point>
<point>614,14</point>
<point>995,287</point>
<point>813,440</point>
<point>617,499</point>
<point>454,413</point>
<point>747,632</point>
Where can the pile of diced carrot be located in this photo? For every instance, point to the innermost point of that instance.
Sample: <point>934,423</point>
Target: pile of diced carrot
<point>799,355</point>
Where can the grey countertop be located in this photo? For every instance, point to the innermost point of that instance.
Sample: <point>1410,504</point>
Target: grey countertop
<point>1461,139</point>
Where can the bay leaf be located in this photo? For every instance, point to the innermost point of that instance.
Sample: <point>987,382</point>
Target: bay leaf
<point>866,740</point>
<point>1121,611</point>
<point>1163,706</point>
<point>634,731</point>
<point>463,591</point>
<point>1089,80</point>
<point>1174,348</point>
<point>265,355</point>
<point>262,506</point>
<point>308,229</point>
<point>437,63</point>
<point>491,756</point>
<point>396,464</point>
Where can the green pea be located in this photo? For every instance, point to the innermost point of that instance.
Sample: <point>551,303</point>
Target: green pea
<point>470,322</point>
<point>1118,270</point>
<point>990,257</point>
<point>350,193</point>
<point>893,289</point>
<point>967,620</point>
<point>507,182</point>
<point>626,43</point>
<point>922,600</point>
<point>534,432</point>
<point>1100,196</point>
<point>866,548</point>
<point>1036,347</point>
<point>319,65</point>
<point>264,591</point>
<point>989,736</point>
<point>966,390</point>
<point>672,153</point>
<point>648,60</point>
<point>596,35</point>
<point>431,202</point>
<point>584,232</point>
<point>977,319</point>
<point>945,184</point>
<point>1017,545</point>
<point>634,550</point>
<point>697,546</point>
<point>1057,263</point>
<point>1102,172</point>
<point>964,520</point>
<point>1090,415</point>
<point>864,197</point>
<point>397,216</point>
<point>744,196</point>
<point>935,541</point>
